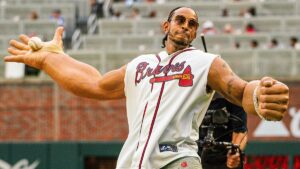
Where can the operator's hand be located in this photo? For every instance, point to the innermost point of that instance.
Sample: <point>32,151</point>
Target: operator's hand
<point>273,99</point>
<point>21,52</point>
<point>233,160</point>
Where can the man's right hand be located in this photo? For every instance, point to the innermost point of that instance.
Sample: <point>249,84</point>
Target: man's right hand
<point>21,51</point>
<point>233,160</point>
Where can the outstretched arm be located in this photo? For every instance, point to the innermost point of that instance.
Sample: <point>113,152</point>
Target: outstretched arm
<point>272,96</point>
<point>76,77</point>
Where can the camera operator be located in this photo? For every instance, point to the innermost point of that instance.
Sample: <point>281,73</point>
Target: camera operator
<point>231,127</point>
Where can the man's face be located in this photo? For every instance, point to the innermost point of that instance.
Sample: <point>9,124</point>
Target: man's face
<point>182,28</point>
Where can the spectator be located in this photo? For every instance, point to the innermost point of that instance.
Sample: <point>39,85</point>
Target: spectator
<point>244,13</point>
<point>273,44</point>
<point>117,15</point>
<point>237,45</point>
<point>294,43</point>
<point>254,44</point>
<point>225,12</point>
<point>135,14</point>
<point>228,29</point>
<point>152,14</point>
<point>208,28</point>
<point>33,16</point>
<point>56,16</point>
<point>250,29</point>
<point>252,11</point>
<point>97,8</point>
<point>130,2</point>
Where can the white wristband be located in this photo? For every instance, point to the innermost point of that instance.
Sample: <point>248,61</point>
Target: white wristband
<point>255,102</point>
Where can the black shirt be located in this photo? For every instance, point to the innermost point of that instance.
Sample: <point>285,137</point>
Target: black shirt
<point>237,122</point>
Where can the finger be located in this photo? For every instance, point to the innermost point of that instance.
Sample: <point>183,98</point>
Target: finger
<point>232,164</point>
<point>58,34</point>
<point>277,88</point>
<point>272,114</point>
<point>280,99</point>
<point>24,38</point>
<point>19,45</point>
<point>274,106</point>
<point>14,58</point>
<point>14,51</point>
<point>267,82</point>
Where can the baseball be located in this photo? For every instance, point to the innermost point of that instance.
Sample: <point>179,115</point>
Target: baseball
<point>35,43</point>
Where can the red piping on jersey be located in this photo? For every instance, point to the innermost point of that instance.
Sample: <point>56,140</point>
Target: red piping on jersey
<point>142,122</point>
<point>158,58</point>
<point>157,106</point>
<point>145,109</point>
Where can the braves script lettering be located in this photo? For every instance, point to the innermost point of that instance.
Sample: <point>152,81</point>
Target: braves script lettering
<point>144,70</point>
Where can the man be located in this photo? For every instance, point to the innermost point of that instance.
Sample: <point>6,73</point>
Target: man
<point>166,94</point>
<point>230,122</point>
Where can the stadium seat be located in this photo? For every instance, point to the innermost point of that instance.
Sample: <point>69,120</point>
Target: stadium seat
<point>126,10</point>
<point>101,42</point>
<point>277,63</point>
<point>235,8</point>
<point>279,8</point>
<point>2,63</point>
<point>67,10</point>
<point>236,23</point>
<point>94,58</point>
<point>162,10</point>
<point>19,12</point>
<point>267,24</point>
<point>241,61</point>
<point>292,24</point>
<point>117,59</point>
<point>4,41</point>
<point>115,27</point>
<point>245,39</point>
<point>9,27</point>
<point>215,42</point>
<point>43,28</point>
<point>148,27</point>
<point>207,9</point>
<point>297,64</point>
<point>138,43</point>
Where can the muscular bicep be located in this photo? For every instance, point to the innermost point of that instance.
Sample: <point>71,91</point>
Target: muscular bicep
<point>222,79</point>
<point>111,85</point>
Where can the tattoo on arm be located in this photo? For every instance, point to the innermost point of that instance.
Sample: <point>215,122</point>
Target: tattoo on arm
<point>230,85</point>
<point>231,90</point>
<point>225,81</point>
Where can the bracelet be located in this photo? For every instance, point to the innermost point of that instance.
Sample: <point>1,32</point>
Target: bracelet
<point>255,102</point>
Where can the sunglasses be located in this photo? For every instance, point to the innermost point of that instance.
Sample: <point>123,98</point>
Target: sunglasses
<point>180,20</point>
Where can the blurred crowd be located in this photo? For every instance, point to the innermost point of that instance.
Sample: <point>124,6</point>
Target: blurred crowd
<point>105,9</point>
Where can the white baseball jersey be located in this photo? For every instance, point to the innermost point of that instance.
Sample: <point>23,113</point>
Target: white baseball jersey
<point>166,101</point>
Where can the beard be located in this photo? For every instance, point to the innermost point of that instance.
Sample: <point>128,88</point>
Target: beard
<point>178,42</point>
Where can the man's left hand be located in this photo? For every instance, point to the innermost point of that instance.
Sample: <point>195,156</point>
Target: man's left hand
<point>273,99</point>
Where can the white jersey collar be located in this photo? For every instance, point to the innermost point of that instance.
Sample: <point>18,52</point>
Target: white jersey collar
<point>164,54</point>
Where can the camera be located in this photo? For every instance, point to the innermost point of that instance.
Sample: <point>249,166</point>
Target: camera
<point>216,119</point>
